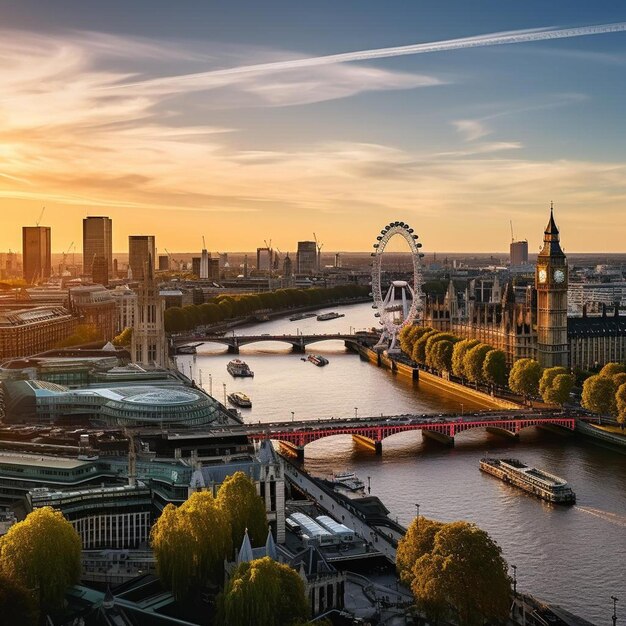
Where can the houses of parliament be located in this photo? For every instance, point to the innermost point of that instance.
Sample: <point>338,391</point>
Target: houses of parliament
<point>535,323</point>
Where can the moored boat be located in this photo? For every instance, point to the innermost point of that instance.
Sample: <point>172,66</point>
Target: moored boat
<point>301,316</point>
<point>240,399</point>
<point>329,316</point>
<point>537,482</point>
<point>239,369</point>
<point>317,359</point>
<point>348,480</point>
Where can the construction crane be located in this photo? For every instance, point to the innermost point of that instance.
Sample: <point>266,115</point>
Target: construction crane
<point>203,243</point>
<point>512,238</point>
<point>319,252</point>
<point>64,262</point>
<point>40,216</point>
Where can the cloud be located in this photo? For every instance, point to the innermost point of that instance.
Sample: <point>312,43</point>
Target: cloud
<point>471,129</point>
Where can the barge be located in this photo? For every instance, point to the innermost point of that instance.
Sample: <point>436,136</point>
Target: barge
<point>537,482</point>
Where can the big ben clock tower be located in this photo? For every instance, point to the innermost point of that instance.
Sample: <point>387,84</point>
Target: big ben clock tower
<point>551,285</point>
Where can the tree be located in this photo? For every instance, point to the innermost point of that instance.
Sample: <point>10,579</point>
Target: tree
<point>190,544</point>
<point>17,605</point>
<point>474,360</point>
<point>264,593</point>
<point>124,338</point>
<point>238,499</point>
<point>620,401</point>
<point>464,574</point>
<point>610,369</point>
<point>434,355</point>
<point>494,368</point>
<point>419,348</point>
<point>418,540</point>
<point>547,378</point>
<point>42,553</point>
<point>440,355</point>
<point>560,389</point>
<point>619,379</point>
<point>599,395</point>
<point>524,377</point>
<point>458,355</point>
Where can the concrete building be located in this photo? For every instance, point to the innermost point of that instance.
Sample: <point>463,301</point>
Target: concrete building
<point>36,253</point>
<point>140,249</point>
<point>97,242</point>
<point>125,306</point>
<point>114,517</point>
<point>149,343</point>
<point>164,263</point>
<point>264,259</point>
<point>306,257</point>
<point>519,253</point>
<point>24,332</point>
<point>96,306</point>
<point>100,271</point>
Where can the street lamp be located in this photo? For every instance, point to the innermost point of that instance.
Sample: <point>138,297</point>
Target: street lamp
<point>293,414</point>
<point>356,412</point>
<point>514,568</point>
<point>224,384</point>
<point>614,618</point>
<point>369,484</point>
<point>210,385</point>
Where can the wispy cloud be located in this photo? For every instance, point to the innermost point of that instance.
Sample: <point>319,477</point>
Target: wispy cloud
<point>471,129</point>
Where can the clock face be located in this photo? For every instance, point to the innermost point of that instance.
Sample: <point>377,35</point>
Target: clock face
<point>543,275</point>
<point>559,276</point>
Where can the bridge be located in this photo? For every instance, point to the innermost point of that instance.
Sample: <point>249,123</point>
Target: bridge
<point>370,431</point>
<point>298,341</point>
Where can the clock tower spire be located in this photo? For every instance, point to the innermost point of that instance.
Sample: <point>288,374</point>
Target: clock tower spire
<point>551,285</point>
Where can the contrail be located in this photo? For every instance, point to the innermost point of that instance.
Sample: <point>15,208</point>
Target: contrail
<point>492,39</point>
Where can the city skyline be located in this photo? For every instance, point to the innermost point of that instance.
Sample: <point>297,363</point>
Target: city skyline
<point>238,127</point>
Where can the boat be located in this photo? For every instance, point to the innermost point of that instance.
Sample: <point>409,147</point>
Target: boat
<point>240,399</point>
<point>239,369</point>
<point>537,482</point>
<point>317,359</point>
<point>301,316</point>
<point>347,481</point>
<point>329,316</point>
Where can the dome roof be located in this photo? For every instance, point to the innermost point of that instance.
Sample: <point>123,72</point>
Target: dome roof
<point>163,396</point>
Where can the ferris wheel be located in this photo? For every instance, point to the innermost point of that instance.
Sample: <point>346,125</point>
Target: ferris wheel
<point>402,304</point>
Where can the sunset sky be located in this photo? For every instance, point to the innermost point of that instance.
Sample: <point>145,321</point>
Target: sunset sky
<point>124,109</point>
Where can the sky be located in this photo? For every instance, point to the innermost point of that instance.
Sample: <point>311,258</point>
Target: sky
<point>227,119</point>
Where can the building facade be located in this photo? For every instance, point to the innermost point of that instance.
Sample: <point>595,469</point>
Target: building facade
<point>36,253</point>
<point>519,253</point>
<point>149,344</point>
<point>140,249</point>
<point>306,257</point>
<point>98,242</point>
<point>95,305</point>
<point>24,332</point>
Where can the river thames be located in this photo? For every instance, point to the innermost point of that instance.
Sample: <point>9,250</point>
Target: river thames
<point>573,556</point>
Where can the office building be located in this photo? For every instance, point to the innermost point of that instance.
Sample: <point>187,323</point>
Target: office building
<point>519,253</point>
<point>100,271</point>
<point>164,263</point>
<point>140,249</point>
<point>95,306</point>
<point>204,265</point>
<point>36,253</point>
<point>306,257</point>
<point>98,242</point>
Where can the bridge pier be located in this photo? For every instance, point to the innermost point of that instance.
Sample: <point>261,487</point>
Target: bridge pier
<point>370,444</point>
<point>502,432</point>
<point>292,450</point>
<point>433,435</point>
<point>298,349</point>
<point>233,349</point>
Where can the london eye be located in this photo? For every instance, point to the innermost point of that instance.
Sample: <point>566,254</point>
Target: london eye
<point>402,303</point>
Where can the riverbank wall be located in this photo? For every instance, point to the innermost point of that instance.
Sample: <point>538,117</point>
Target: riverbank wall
<point>601,437</point>
<point>462,392</point>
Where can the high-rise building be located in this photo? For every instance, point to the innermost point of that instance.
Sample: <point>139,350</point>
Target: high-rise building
<point>204,264</point>
<point>196,266</point>
<point>551,285</point>
<point>264,259</point>
<point>287,267</point>
<point>519,253</point>
<point>97,242</point>
<point>100,270</point>
<point>140,248</point>
<point>149,344</point>
<point>306,257</point>
<point>36,253</point>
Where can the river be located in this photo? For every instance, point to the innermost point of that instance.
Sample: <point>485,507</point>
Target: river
<point>573,556</point>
